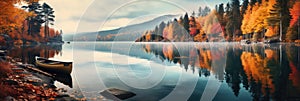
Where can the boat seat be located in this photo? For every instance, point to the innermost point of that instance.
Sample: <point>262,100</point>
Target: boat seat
<point>54,63</point>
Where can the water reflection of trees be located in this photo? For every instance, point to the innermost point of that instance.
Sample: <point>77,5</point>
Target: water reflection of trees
<point>27,54</point>
<point>185,55</point>
<point>267,72</point>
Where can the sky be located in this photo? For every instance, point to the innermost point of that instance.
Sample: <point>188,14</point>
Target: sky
<point>75,16</point>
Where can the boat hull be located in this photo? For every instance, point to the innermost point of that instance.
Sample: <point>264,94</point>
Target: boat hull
<point>64,67</point>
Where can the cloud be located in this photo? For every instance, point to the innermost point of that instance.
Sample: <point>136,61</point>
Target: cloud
<point>118,22</point>
<point>132,14</point>
<point>91,15</point>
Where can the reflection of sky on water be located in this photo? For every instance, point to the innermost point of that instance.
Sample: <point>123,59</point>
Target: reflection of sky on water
<point>101,68</point>
<point>95,69</point>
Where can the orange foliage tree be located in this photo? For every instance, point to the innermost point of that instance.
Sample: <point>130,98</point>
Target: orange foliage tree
<point>295,12</point>
<point>263,18</point>
<point>52,32</point>
<point>292,33</point>
<point>13,22</point>
<point>10,16</point>
<point>211,26</point>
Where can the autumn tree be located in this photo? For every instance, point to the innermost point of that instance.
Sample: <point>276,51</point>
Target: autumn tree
<point>253,23</point>
<point>193,26</point>
<point>295,13</point>
<point>26,23</point>
<point>209,27</point>
<point>293,30</point>
<point>148,36</point>
<point>168,33</point>
<point>245,26</point>
<point>257,21</point>
<point>48,17</point>
<point>34,22</point>
<point>10,16</point>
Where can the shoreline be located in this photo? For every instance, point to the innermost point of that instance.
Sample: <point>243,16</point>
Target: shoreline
<point>25,82</point>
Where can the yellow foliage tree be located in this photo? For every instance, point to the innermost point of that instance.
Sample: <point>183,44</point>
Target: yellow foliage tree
<point>272,30</point>
<point>209,21</point>
<point>244,27</point>
<point>255,18</point>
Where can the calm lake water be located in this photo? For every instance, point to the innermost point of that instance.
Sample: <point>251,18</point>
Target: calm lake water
<point>178,71</point>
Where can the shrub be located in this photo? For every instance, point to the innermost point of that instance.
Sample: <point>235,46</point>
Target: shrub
<point>5,68</point>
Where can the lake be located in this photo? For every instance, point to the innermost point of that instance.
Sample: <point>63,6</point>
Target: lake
<point>177,71</point>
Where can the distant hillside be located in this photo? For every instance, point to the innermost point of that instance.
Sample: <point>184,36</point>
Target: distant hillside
<point>127,33</point>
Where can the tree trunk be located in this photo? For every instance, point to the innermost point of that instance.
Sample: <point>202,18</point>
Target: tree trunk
<point>29,28</point>
<point>298,29</point>
<point>280,37</point>
<point>46,28</point>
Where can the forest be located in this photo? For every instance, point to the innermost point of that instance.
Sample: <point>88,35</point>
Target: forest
<point>28,24</point>
<point>254,20</point>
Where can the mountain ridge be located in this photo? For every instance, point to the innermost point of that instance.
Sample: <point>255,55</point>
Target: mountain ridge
<point>125,33</point>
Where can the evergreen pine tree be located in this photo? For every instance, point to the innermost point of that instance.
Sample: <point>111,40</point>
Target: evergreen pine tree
<point>186,22</point>
<point>244,6</point>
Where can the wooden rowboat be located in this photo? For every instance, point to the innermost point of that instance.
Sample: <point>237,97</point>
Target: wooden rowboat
<point>54,66</point>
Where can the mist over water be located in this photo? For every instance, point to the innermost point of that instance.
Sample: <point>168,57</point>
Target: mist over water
<point>178,70</point>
